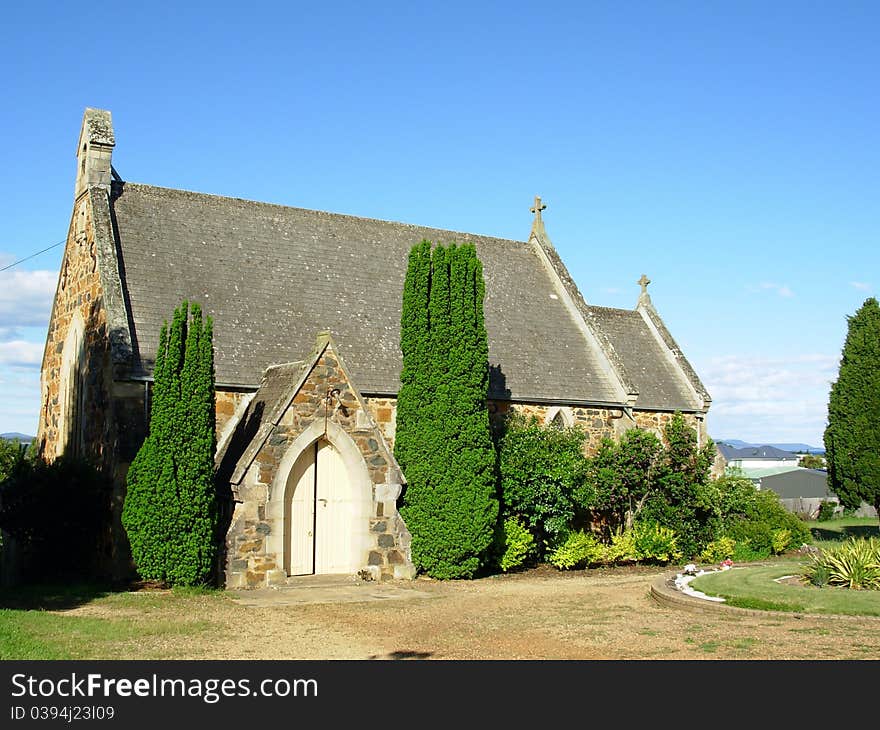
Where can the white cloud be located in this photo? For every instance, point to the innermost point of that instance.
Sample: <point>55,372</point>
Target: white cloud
<point>769,399</point>
<point>781,289</point>
<point>19,399</point>
<point>20,353</point>
<point>26,298</point>
<point>860,285</point>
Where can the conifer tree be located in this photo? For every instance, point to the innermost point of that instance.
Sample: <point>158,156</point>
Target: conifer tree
<point>170,510</point>
<point>447,453</point>
<point>852,436</point>
<point>414,396</point>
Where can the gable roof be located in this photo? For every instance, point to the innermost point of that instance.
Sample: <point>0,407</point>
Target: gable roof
<point>272,276</point>
<point>757,452</point>
<point>260,415</point>
<point>798,482</point>
<point>661,384</point>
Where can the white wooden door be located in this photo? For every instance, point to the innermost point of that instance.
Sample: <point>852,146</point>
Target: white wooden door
<point>320,515</point>
<point>333,513</point>
<point>301,550</point>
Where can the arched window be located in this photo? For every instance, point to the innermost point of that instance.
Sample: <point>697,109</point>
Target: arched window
<point>71,390</point>
<point>559,417</point>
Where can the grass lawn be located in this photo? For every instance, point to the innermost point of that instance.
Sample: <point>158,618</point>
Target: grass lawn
<point>832,532</point>
<point>40,622</point>
<point>756,587</point>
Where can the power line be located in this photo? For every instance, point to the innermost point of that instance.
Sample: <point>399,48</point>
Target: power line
<point>21,261</point>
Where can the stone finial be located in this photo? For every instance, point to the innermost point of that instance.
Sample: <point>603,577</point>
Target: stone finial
<point>94,151</point>
<point>538,223</point>
<point>644,297</point>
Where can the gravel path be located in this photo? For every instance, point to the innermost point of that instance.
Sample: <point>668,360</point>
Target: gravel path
<point>541,614</point>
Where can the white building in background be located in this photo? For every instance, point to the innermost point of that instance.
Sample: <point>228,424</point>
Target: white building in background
<point>757,457</point>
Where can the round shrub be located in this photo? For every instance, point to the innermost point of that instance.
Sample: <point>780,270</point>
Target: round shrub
<point>578,550</point>
<point>718,550</point>
<point>757,535</point>
<point>540,469</point>
<point>655,543</point>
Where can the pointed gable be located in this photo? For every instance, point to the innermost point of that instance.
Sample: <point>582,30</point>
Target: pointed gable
<point>661,384</point>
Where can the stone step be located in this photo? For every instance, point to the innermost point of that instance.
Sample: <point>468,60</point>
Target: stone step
<point>324,580</point>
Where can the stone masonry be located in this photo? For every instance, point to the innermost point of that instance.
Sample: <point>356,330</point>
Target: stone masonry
<point>79,296</point>
<point>249,561</point>
<point>597,421</point>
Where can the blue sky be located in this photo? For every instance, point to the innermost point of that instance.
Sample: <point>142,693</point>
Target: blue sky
<point>727,150</point>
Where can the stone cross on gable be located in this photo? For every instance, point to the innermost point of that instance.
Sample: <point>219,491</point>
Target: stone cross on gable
<point>538,206</point>
<point>643,282</point>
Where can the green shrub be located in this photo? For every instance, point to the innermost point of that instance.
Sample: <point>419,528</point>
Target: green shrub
<point>826,510</point>
<point>744,552</point>
<point>737,496</point>
<point>60,514</point>
<point>621,549</point>
<point>12,454</point>
<point>741,501</point>
<point>540,469</point>
<point>780,540</point>
<point>517,544</point>
<point>620,477</point>
<point>718,550</point>
<point>684,498</point>
<point>758,535</point>
<point>817,573</point>
<point>578,550</point>
<point>853,564</point>
<point>769,509</point>
<point>655,543</point>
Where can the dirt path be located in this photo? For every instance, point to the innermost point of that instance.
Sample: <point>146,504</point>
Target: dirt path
<point>541,614</point>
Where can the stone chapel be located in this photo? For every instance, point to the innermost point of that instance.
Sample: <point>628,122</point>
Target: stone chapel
<point>306,309</point>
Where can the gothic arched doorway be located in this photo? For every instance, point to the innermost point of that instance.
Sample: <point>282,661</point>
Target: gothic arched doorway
<point>322,514</point>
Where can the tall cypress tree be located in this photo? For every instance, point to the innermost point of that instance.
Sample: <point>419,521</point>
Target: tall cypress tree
<point>852,436</point>
<point>170,510</point>
<point>447,454</point>
<point>415,394</point>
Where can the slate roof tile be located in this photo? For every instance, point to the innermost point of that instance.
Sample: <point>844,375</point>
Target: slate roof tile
<point>273,276</point>
<point>661,384</point>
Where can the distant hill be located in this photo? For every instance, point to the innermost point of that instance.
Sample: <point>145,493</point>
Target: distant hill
<point>800,448</point>
<point>736,443</point>
<point>16,436</point>
<point>794,448</point>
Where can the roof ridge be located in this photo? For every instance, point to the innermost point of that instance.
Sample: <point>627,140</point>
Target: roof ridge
<point>612,309</point>
<point>592,333</point>
<point>349,216</point>
<point>652,317</point>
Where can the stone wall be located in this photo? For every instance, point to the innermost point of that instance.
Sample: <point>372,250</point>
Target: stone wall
<point>384,413</point>
<point>78,421</point>
<point>656,421</point>
<point>255,538</point>
<point>598,422</point>
<point>226,403</point>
